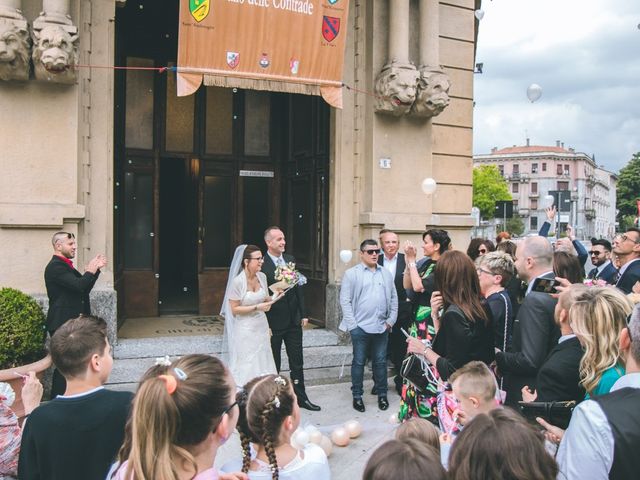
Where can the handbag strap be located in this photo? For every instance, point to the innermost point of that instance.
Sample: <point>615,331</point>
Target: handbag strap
<point>506,324</point>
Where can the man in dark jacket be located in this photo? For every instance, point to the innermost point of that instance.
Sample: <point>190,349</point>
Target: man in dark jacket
<point>287,316</point>
<point>559,377</point>
<point>628,253</point>
<point>534,332</point>
<point>68,290</point>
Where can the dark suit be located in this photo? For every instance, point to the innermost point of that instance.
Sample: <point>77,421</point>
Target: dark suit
<point>68,291</point>
<point>397,348</point>
<point>630,276</point>
<point>559,377</point>
<point>608,274</point>
<point>285,322</point>
<point>534,335</point>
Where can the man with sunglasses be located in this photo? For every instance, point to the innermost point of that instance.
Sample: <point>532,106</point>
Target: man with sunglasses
<point>369,304</point>
<point>604,433</point>
<point>628,252</point>
<point>68,289</point>
<point>603,268</point>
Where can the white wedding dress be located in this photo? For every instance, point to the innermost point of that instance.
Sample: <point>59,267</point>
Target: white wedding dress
<point>250,345</point>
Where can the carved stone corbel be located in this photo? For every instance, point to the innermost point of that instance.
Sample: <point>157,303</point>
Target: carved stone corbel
<point>395,88</point>
<point>55,43</point>
<point>433,92</point>
<point>15,44</point>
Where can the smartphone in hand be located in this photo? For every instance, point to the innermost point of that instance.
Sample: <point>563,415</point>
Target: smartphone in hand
<point>545,285</point>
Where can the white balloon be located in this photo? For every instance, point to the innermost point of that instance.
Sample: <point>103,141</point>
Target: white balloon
<point>299,438</point>
<point>346,256</point>
<point>479,14</point>
<point>315,437</point>
<point>340,437</point>
<point>548,201</point>
<point>393,419</point>
<point>429,186</point>
<point>353,428</point>
<point>326,445</point>
<point>534,92</point>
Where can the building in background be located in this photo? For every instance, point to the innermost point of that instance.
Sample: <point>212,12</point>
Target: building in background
<point>167,186</point>
<point>532,171</point>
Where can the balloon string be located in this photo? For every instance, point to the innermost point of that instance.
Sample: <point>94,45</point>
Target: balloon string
<point>175,69</point>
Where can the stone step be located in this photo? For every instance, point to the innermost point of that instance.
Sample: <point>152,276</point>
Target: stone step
<point>211,344</point>
<point>322,364</point>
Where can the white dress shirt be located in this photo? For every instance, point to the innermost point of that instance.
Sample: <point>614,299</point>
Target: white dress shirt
<point>390,264</point>
<point>586,450</point>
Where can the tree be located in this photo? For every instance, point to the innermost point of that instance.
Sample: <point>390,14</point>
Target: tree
<point>489,186</point>
<point>628,192</point>
<point>515,225</point>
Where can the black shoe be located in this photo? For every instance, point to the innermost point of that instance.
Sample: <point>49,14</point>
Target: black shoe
<point>306,403</point>
<point>358,404</point>
<point>374,390</point>
<point>383,403</point>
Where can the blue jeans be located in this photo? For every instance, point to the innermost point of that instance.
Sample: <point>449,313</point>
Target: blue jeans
<point>376,343</point>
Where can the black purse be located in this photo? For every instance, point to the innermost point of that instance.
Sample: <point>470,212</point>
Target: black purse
<point>413,372</point>
<point>555,413</point>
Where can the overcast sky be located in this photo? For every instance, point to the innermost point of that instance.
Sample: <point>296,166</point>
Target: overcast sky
<point>585,54</point>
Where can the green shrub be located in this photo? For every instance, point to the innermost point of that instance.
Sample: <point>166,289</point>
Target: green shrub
<point>22,329</point>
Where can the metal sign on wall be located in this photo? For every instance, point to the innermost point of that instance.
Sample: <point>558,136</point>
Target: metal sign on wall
<point>256,173</point>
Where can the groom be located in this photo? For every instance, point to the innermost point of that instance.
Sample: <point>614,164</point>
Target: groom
<point>286,316</point>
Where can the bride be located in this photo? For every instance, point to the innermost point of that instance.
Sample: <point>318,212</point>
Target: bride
<point>246,342</point>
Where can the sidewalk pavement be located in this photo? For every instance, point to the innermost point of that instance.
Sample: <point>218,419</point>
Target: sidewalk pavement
<point>335,399</point>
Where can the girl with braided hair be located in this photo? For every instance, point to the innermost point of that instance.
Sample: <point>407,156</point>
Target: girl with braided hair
<point>181,414</point>
<point>269,414</point>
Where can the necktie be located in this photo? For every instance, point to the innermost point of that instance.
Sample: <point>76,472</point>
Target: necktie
<point>593,273</point>
<point>280,262</point>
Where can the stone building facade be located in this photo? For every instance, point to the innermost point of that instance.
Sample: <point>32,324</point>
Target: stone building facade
<point>116,158</point>
<point>532,171</point>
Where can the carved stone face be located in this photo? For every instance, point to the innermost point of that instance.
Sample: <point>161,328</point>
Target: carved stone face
<point>14,52</point>
<point>396,89</point>
<point>433,93</point>
<point>54,54</point>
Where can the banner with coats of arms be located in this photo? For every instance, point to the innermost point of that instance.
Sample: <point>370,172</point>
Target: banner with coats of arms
<point>294,46</point>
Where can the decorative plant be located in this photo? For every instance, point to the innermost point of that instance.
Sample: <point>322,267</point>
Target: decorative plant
<point>22,329</point>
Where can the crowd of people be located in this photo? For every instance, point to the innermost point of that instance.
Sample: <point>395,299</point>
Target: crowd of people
<point>510,362</point>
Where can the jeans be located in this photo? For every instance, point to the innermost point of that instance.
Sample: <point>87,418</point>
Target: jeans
<point>376,344</point>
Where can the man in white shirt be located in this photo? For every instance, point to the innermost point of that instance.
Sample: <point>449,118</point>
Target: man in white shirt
<point>604,433</point>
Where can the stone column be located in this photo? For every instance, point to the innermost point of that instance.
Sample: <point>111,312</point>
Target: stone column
<point>15,44</point>
<point>399,31</point>
<point>396,83</point>
<point>55,39</point>
<point>433,84</point>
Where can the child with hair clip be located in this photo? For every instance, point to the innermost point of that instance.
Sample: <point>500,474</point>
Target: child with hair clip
<point>182,413</point>
<point>269,414</point>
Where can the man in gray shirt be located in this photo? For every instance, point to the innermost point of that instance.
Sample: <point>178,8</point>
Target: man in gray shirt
<point>369,303</point>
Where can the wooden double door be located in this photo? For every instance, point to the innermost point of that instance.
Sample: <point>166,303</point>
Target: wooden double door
<point>198,176</point>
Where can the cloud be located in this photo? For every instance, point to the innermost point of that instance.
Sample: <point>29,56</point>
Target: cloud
<point>585,55</point>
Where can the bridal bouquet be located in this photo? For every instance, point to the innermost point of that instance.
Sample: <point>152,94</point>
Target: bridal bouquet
<point>288,274</point>
<point>286,277</point>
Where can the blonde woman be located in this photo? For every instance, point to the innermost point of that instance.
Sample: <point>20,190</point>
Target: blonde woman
<point>597,317</point>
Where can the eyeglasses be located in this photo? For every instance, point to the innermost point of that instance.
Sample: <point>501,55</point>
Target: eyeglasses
<point>482,250</point>
<point>624,238</point>
<point>594,253</point>
<point>372,252</point>
<point>628,327</point>
<point>482,270</point>
<point>260,259</point>
<point>228,409</point>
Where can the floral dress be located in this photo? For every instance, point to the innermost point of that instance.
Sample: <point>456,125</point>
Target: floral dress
<point>412,403</point>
